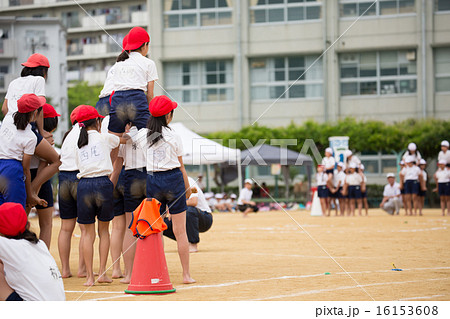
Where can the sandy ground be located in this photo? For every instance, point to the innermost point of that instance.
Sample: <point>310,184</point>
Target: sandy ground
<point>269,257</point>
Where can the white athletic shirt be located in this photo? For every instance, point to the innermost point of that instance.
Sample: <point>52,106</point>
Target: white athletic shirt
<point>31,271</point>
<point>416,155</point>
<point>329,162</point>
<point>393,190</point>
<point>133,156</point>
<point>411,173</point>
<point>445,156</point>
<point>134,73</point>
<point>202,204</point>
<point>108,87</point>
<point>339,177</point>
<point>321,178</point>
<point>94,159</point>
<point>245,195</point>
<point>443,175</point>
<point>23,85</point>
<point>163,156</point>
<point>353,179</point>
<point>14,143</point>
<point>425,176</point>
<point>69,150</point>
<point>355,160</point>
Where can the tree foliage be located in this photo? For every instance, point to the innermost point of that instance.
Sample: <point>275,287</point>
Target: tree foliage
<point>82,93</point>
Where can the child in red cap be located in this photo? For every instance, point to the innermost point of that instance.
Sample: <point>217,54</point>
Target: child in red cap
<point>95,190</point>
<point>17,145</point>
<point>166,176</point>
<point>27,270</point>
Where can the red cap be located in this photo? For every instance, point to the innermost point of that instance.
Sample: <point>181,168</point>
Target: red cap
<point>49,111</point>
<point>161,105</point>
<point>136,38</point>
<point>28,103</point>
<point>13,219</point>
<point>87,112</point>
<point>124,42</point>
<point>36,60</point>
<point>73,115</point>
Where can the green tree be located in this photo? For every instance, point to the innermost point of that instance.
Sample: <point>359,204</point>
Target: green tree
<point>82,93</point>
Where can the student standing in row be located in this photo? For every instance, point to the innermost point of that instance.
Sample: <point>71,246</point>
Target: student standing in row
<point>323,180</point>
<point>422,191</point>
<point>442,178</point>
<point>354,181</point>
<point>412,151</point>
<point>412,180</point>
<point>444,154</point>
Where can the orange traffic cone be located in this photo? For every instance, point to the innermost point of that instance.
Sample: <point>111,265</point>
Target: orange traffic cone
<point>150,274</point>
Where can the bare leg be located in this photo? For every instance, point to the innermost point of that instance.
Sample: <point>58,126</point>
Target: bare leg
<point>366,205</point>
<point>5,289</point>
<point>64,242</point>
<point>323,205</point>
<point>88,238</point>
<point>352,206</point>
<point>45,151</point>
<point>103,233</point>
<point>179,230</point>
<point>81,263</point>
<point>443,201</point>
<point>117,236</point>
<point>45,225</point>
<point>407,202</point>
<point>129,249</point>
<point>415,203</point>
<point>448,204</point>
<point>359,202</point>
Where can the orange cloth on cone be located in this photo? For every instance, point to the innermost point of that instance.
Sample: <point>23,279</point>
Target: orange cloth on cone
<point>146,219</point>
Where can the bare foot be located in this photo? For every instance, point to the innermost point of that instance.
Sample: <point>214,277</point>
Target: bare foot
<point>117,275</point>
<point>66,275</point>
<point>104,279</point>
<point>89,282</point>
<point>125,280</point>
<point>188,281</point>
<point>193,248</point>
<point>83,274</point>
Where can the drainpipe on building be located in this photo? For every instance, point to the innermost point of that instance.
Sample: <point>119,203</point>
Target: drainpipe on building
<point>424,61</point>
<point>239,95</point>
<point>325,62</point>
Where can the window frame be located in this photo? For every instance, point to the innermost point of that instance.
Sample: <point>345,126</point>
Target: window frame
<point>284,6</point>
<point>435,8</point>
<point>377,14</point>
<point>436,74</point>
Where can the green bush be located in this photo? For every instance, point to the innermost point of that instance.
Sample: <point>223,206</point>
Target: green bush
<point>82,93</point>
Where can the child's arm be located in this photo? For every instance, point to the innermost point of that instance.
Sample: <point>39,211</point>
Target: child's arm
<point>117,168</point>
<point>186,181</point>
<point>32,198</point>
<point>150,89</point>
<point>436,181</point>
<point>5,107</point>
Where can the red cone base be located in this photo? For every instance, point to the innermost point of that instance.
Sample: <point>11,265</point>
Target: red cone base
<point>150,274</point>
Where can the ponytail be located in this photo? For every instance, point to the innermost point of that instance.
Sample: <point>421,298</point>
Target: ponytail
<point>83,140</point>
<point>154,126</point>
<point>21,120</point>
<point>123,56</point>
<point>27,235</point>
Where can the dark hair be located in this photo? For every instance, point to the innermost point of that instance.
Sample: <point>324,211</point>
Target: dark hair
<point>83,140</point>
<point>50,123</point>
<point>37,71</point>
<point>27,235</point>
<point>154,126</point>
<point>21,120</point>
<point>126,53</point>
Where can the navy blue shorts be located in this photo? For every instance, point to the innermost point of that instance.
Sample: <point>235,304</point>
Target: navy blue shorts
<point>338,194</point>
<point>402,191</point>
<point>119,200</point>
<point>128,107</point>
<point>422,193</point>
<point>103,107</point>
<point>363,194</point>
<point>329,171</point>
<point>12,182</point>
<point>168,188</point>
<point>411,187</point>
<point>354,192</point>
<point>322,191</point>
<point>135,192</point>
<point>14,297</point>
<point>67,194</point>
<point>36,132</point>
<point>444,189</point>
<point>95,198</point>
<point>46,191</point>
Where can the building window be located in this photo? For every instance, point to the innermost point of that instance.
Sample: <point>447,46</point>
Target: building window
<point>442,5</point>
<point>379,164</point>
<point>3,71</point>
<point>355,8</point>
<point>270,11</point>
<point>197,13</point>
<point>205,81</point>
<point>70,19</point>
<point>378,73</point>
<point>272,77</point>
<point>442,69</point>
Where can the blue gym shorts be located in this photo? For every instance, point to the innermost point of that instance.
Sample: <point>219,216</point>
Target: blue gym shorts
<point>67,194</point>
<point>128,107</point>
<point>168,188</point>
<point>322,191</point>
<point>444,189</point>
<point>46,191</point>
<point>103,107</point>
<point>95,198</point>
<point>411,187</point>
<point>12,182</point>
<point>354,192</point>
<point>119,200</point>
<point>135,192</point>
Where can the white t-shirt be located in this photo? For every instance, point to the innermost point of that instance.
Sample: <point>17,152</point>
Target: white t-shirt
<point>355,160</point>
<point>105,124</point>
<point>108,87</point>
<point>202,204</point>
<point>425,176</point>
<point>329,162</point>
<point>31,271</point>
<point>134,73</point>
<point>445,156</point>
<point>411,173</point>
<point>321,178</point>
<point>339,177</point>
<point>393,190</point>
<point>163,156</point>
<point>353,179</point>
<point>133,156</point>
<point>14,143</point>
<point>443,175</point>
<point>245,195</point>
<point>23,85</point>
<point>416,155</point>
<point>69,150</point>
<point>94,159</point>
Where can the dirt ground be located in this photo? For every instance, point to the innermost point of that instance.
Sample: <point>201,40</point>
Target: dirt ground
<point>269,257</point>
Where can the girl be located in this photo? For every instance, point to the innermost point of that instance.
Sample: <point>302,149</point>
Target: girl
<point>32,80</point>
<point>134,77</point>
<point>27,270</point>
<point>442,178</point>
<point>328,161</point>
<point>350,158</point>
<point>364,189</point>
<point>412,151</point>
<point>166,177</point>
<point>412,181</point>
<point>17,145</point>
<point>423,191</point>
<point>323,180</point>
<point>95,190</point>
<point>339,180</point>
<point>444,154</point>
<point>67,198</point>
<point>354,181</point>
